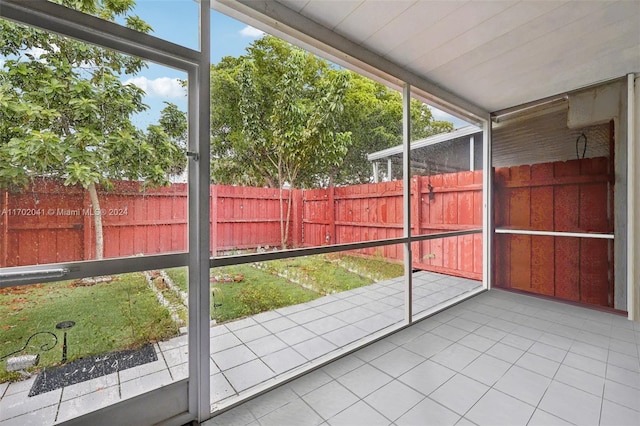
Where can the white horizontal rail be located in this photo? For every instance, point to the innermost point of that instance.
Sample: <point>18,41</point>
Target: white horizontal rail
<point>555,233</point>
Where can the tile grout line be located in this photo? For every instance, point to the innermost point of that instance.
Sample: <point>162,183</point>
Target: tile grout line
<point>55,418</point>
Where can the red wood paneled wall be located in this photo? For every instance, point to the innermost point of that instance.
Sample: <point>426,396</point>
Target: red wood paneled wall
<point>571,196</point>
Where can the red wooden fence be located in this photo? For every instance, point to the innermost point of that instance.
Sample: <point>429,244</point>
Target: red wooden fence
<point>439,203</point>
<point>33,231</point>
<point>572,196</point>
<point>151,221</point>
<point>53,223</point>
<point>450,202</point>
<point>354,214</point>
<point>246,217</point>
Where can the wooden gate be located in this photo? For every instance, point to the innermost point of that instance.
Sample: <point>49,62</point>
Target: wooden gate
<point>572,196</point>
<point>442,203</point>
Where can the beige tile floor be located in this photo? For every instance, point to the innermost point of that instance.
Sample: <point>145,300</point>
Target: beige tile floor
<point>498,358</point>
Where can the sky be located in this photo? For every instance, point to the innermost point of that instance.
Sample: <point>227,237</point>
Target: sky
<point>229,37</point>
<point>177,21</point>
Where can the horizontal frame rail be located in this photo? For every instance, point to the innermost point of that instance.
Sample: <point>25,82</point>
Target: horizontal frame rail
<point>215,262</point>
<point>554,233</point>
<point>42,274</point>
<point>33,274</point>
<point>72,23</point>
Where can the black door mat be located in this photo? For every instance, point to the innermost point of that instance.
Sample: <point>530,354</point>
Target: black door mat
<point>89,368</point>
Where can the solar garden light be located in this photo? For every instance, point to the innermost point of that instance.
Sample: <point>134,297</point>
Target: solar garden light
<point>65,325</point>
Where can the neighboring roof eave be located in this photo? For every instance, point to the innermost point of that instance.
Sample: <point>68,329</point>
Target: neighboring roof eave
<point>431,140</point>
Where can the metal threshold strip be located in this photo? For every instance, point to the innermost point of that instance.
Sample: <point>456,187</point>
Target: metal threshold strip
<point>554,233</point>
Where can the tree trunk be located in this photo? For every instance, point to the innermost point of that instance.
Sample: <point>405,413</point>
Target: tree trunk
<point>332,179</point>
<point>97,220</point>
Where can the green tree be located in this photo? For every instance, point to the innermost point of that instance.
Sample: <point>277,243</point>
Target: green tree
<point>274,118</point>
<point>246,90</point>
<point>373,114</point>
<point>65,113</point>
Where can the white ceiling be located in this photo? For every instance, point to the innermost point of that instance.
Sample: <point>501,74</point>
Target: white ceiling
<point>494,54</point>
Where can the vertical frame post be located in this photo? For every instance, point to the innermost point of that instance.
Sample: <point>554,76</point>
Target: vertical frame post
<point>487,205</point>
<point>406,199</point>
<point>199,297</point>
<point>633,133</point>
<point>472,153</point>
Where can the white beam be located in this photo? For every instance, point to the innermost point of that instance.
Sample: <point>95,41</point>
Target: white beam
<point>633,197</point>
<point>555,233</point>
<point>472,153</point>
<point>406,202</point>
<point>72,23</point>
<point>487,205</point>
<point>199,176</point>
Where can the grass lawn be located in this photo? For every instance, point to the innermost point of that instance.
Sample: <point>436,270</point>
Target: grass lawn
<point>319,272</point>
<point>110,316</point>
<point>259,291</point>
<point>305,278</point>
<point>179,276</point>
<point>125,314</point>
<point>373,267</point>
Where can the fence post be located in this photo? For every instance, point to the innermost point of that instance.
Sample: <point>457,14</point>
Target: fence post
<point>213,220</point>
<point>297,217</point>
<point>331,207</point>
<point>87,227</point>
<point>5,229</point>
<point>416,215</point>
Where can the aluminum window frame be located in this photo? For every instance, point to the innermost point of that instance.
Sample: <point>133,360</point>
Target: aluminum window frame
<point>58,19</point>
<point>55,18</point>
<point>406,240</point>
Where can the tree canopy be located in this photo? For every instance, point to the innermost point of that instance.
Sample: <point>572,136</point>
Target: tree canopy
<point>280,103</point>
<point>65,113</point>
<point>275,114</point>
